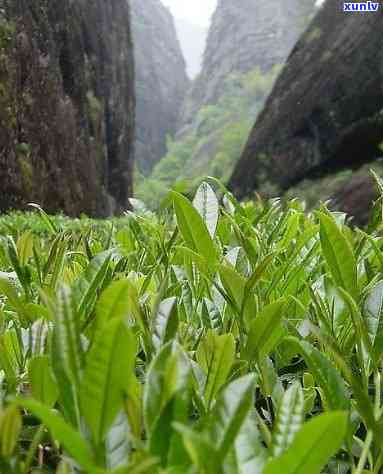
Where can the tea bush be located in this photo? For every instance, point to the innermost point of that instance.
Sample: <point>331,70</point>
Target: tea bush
<point>208,338</point>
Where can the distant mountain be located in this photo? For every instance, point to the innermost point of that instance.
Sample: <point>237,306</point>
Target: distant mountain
<point>244,35</point>
<point>161,80</point>
<point>193,40</point>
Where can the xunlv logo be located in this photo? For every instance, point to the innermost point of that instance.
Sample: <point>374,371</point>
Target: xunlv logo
<point>361,6</point>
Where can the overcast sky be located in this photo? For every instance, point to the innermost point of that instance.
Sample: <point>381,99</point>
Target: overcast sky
<point>196,11</point>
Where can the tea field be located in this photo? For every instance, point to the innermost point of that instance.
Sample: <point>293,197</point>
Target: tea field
<point>212,337</point>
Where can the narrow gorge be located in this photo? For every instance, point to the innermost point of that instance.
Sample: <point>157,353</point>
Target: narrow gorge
<point>247,45</point>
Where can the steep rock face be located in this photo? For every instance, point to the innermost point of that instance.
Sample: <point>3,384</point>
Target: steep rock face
<point>161,80</point>
<point>326,110</point>
<point>245,34</point>
<point>66,105</point>
<point>348,190</point>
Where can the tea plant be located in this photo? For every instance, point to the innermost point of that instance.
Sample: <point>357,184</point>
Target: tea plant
<point>232,338</point>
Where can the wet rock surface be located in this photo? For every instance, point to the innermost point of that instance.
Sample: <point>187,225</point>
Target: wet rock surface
<point>325,112</point>
<point>66,105</point>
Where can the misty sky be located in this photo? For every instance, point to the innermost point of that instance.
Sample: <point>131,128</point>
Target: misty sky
<point>196,11</point>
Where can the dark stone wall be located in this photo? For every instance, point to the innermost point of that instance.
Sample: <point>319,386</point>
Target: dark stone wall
<point>66,105</point>
<point>326,110</point>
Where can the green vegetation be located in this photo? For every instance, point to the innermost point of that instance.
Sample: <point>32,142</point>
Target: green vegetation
<point>214,142</point>
<point>311,190</point>
<point>204,339</point>
<point>7,112</point>
<point>95,108</point>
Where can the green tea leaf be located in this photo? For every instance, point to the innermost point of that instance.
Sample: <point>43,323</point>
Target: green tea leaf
<point>7,288</point>
<point>43,385</point>
<point>86,287</point>
<point>265,330</point>
<point>193,228</point>
<point>325,374</point>
<point>373,316</point>
<point>166,401</point>
<point>339,255</point>
<point>289,419</point>
<point>313,446</point>
<point>64,468</point>
<point>234,284</point>
<point>66,336</point>
<point>168,374</point>
<point>45,218</point>
<point>117,444</point>
<point>109,368</point>
<point>215,355</point>
<point>119,300</point>
<point>72,440</point>
<point>10,428</point>
<point>25,247</point>
<point>165,322</point>
<point>200,449</point>
<point>206,203</point>
<point>230,412</point>
<point>250,453</point>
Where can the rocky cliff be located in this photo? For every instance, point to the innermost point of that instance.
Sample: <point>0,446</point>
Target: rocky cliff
<point>325,112</point>
<point>245,34</point>
<point>161,80</point>
<point>247,43</point>
<point>66,105</point>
